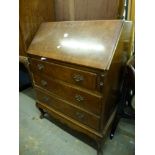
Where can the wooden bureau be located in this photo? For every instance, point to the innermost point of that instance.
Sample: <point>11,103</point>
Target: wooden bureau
<point>75,67</point>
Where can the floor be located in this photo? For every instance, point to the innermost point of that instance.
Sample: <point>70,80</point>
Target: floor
<point>45,137</point>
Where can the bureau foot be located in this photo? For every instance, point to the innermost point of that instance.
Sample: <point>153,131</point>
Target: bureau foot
<point>99,152</point>
<point>41,116</point>
<point>41,111</point>
<point>99,148</point>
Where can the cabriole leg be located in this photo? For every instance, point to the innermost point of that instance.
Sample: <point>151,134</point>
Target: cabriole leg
<point>99,148</point>
<point>41,111</point>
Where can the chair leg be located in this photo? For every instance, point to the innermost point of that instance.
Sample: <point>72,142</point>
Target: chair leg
<point>114,126</point>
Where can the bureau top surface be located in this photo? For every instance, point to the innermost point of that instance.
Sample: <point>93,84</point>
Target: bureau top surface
<point>87,43</point>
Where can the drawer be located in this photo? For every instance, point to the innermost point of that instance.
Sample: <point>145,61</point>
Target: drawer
<point>65,108</point>
<point>89,101</point>
<point>81,78</point>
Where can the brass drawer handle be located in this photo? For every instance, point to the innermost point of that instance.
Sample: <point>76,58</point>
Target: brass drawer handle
<point>40,66</point>
<point>79,115</point>
<point>45,99</point>
<point>78,77</point>
<point>79,98</point>
<point>43,83</point>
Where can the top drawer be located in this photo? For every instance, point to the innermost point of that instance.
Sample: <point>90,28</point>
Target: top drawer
<point>71,75</point>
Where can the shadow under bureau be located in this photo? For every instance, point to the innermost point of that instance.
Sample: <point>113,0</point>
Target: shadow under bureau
<point>75,67</point>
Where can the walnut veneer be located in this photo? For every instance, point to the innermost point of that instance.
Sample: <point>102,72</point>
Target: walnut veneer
<point>75,68</point>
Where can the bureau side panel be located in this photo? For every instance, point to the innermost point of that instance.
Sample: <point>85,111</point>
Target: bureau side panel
<point>112,80</point>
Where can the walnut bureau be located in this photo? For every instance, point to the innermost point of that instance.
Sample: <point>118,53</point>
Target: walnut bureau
<point>75,67</point>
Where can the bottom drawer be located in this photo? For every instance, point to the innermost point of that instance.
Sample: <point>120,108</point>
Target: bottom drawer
<point>65,108</point>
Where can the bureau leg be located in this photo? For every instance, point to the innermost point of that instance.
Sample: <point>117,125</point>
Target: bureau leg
<point>41,111</point>
<point>99,148</point>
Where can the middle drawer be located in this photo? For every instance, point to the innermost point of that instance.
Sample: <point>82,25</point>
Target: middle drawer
<point>83,99</point>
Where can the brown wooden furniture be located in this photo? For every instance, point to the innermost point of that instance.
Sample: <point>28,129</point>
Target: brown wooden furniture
<point>75,67</point>
<point>88,9</point>
<point>31,14</point>
<point>127,93</point>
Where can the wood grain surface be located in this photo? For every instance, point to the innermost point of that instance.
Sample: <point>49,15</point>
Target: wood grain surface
<point>31,14</point>
<point>88,9</point>
<point>69,110</point>
<point>87,43</point>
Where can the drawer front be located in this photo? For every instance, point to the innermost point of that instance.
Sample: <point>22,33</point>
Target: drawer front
<point>71,75</point>
<point>76,114</point>
<point>80,98</point>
